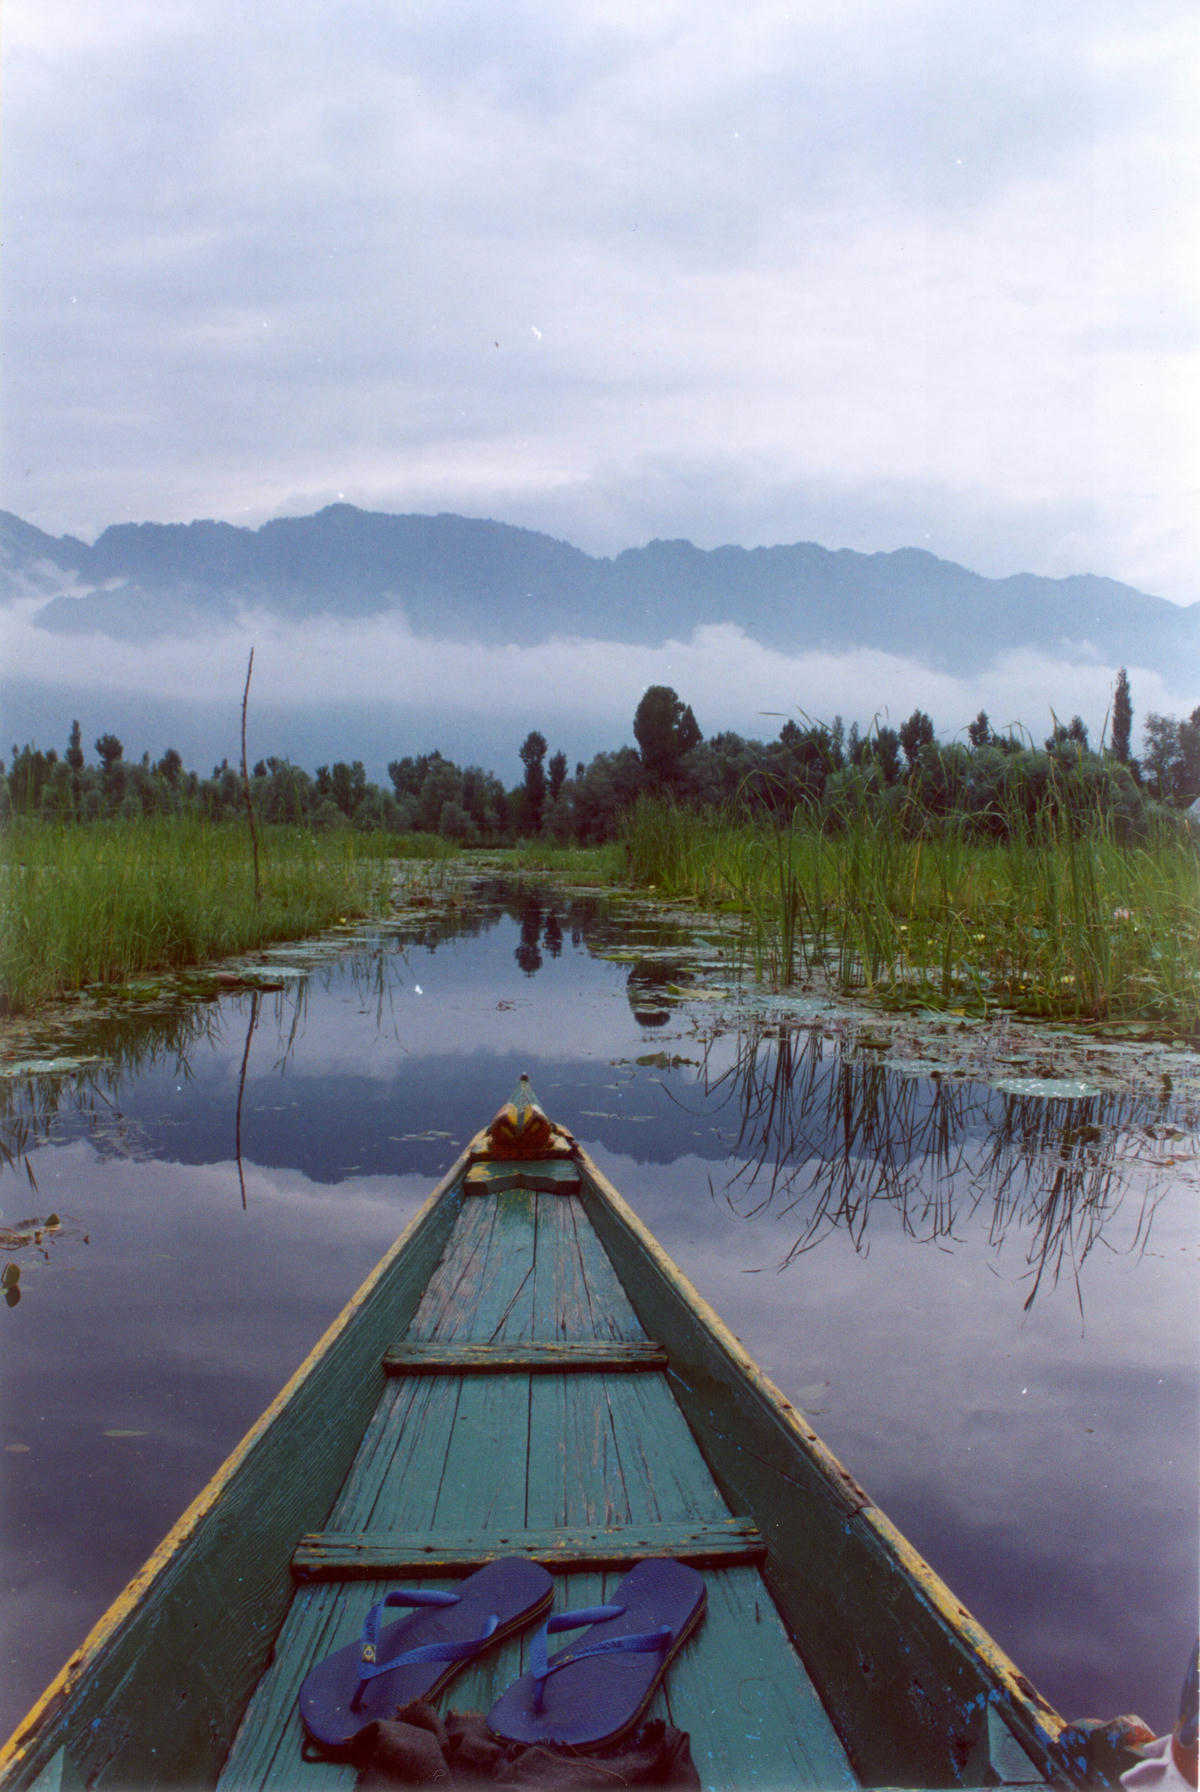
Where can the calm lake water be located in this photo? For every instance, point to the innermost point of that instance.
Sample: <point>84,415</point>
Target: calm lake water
<point>985,1303</point>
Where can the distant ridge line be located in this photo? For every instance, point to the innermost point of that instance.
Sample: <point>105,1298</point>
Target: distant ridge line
<point>473,579</point>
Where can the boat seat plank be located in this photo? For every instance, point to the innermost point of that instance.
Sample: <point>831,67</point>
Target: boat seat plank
<point>346,1555</point>
<point>551,1177</point>
<point>558,1356</point>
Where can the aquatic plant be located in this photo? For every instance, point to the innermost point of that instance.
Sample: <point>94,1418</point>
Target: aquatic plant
<point>1047,919</point>
<point>97,904</point>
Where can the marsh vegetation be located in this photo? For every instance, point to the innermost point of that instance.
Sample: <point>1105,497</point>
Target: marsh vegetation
<point>94,904</point>
<point>1055,921</point>
<point>1056,881</point>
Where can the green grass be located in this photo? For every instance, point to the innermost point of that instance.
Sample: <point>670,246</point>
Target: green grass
<point>81,905</point>
<point>606,864</point>
<point>1051,924</point>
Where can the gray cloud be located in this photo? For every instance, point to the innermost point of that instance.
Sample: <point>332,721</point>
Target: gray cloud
<point>913,271</point>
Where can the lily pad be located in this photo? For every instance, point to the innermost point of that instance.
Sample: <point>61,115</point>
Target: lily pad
<point>1048,1088</point>
<point>45,1066</point>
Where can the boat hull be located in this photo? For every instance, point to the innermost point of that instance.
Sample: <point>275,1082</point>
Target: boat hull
<point>648,1431</point>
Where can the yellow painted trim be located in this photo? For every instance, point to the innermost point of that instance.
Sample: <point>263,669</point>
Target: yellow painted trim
<point>126,1602</point>
<point>955,1615</point>
<point>1000,1667</point>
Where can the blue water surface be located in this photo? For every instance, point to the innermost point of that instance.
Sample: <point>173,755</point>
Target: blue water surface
<point>985,1303</point>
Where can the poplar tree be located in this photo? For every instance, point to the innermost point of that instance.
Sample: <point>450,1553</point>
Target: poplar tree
<point>1122,718</point>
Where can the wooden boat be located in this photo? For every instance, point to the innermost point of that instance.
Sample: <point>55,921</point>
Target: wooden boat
<point>527,1373</point>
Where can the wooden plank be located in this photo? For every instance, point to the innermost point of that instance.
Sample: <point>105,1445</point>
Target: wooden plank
<point>450,1293</point>
<point>482,1289</point>
<point>394,1479</point>
<point>497,1178</point>
<point>741,1691</point>
<point>483,1473</point>
<point>666,1475</point>
<point>268,1748</point>
<point>576,1292</point>
<point>504,1311</point>
<point>352,1555</point>
<point>562,1356</point>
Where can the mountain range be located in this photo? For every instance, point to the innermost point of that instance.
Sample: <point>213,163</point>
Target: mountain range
<point>462,579</point>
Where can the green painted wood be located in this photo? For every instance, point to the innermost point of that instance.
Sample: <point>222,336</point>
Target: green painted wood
<point>59,1775</point>
<point>268,1748</point>
<point>395,1477</point>
<point>576,1293</point>
<point>620,1446</point>
<point>482,1489</point>
<point>904,1678</point>
<point>562,1356</point>
<point>483,1290</point>
<point>742,1693</point>
<point>656,1444</point>
<point>350,1555</point>
<point>998,1758</point>
<point>494,1178</point>
<point>450,1293</point>
<point>156,1693</point>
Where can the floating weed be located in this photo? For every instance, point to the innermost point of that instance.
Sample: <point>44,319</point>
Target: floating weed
<point>44,1066</point>
<point>1046,1088</point>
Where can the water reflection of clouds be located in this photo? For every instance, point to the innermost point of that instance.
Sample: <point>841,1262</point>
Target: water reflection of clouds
<point>1029,1462</point>
<point>423,997</point>
<point>178,1321</point>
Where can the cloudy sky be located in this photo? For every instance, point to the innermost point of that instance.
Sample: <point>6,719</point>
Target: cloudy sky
<point>885,273</point>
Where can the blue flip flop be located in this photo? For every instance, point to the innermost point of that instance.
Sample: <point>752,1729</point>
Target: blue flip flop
<point>594,1693</point>
<point>414,1658</point>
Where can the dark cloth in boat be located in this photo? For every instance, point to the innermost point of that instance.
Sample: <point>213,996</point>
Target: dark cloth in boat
<point>419,1748</point>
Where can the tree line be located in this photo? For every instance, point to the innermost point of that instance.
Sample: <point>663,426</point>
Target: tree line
<point>989,781</point>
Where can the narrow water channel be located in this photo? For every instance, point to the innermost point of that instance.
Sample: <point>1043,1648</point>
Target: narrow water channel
<point>983,1299</point>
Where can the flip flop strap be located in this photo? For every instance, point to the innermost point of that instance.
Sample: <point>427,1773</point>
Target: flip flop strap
<point>542,1668</point>
<point>369,1665</point>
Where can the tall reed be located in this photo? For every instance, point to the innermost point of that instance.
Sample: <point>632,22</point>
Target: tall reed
<point>92,904</point>
<point>1050,922</point>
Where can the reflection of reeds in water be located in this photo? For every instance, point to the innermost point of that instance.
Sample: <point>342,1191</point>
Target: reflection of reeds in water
<point>108,1054</point>
<point>827,1138</point>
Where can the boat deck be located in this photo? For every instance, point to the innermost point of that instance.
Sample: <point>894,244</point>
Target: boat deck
<point>523,1413</point>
